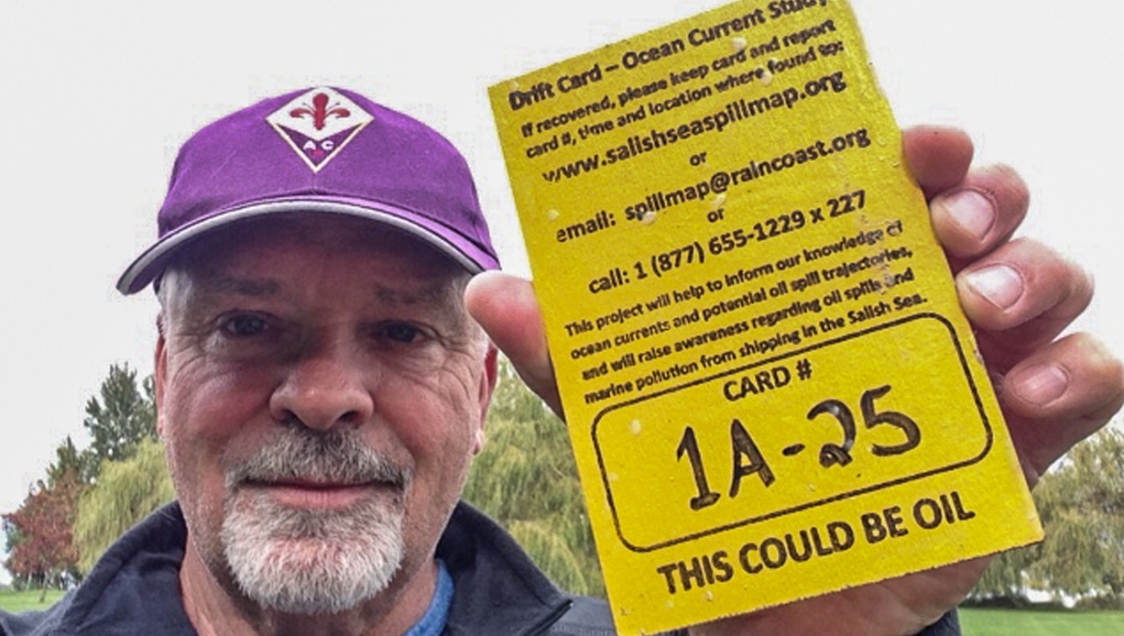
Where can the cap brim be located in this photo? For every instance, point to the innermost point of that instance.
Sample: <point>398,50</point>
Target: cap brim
<point>152,261</point>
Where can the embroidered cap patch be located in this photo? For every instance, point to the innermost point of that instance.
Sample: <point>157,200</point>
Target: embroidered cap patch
<point>318,124</point>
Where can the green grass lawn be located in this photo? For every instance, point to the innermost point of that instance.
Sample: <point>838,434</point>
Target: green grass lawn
<point>975,622</point>
<point>1006,622</point>
<point>22,601</point>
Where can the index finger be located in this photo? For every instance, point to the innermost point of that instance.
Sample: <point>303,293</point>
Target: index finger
<point>938,157</point>
<point>973,211</point>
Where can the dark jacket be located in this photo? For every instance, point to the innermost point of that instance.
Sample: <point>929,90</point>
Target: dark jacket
<point>134,589</point>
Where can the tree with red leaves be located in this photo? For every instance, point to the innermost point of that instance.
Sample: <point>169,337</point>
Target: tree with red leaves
<point>41,551</point>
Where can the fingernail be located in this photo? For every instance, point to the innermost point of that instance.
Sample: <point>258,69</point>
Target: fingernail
<point>999,284</point>
<point>1040,384</point>
<point>971,210</point>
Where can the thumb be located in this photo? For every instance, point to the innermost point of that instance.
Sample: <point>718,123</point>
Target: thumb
<point>505,306</point>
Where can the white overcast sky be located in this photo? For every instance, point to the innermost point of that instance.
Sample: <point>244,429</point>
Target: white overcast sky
<point>97,96</point>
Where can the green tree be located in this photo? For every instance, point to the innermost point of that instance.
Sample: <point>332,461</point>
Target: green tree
<point>526,479</point>
<point>126,491</point>
<point>120,419</point>
<point>69,462</point>
<point>1081,504</point>
<point>39,537</point>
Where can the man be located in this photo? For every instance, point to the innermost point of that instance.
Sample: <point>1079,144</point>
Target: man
<point>323,374</point>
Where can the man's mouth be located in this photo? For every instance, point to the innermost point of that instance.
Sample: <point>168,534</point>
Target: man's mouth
<point>302,470</point>
<point>301,493</point>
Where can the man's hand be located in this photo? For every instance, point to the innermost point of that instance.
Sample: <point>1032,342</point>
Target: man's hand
<point>1019,296</point>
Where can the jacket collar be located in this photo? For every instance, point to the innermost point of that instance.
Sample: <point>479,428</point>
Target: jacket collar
<point>134,588</point>
<point>498,589</point>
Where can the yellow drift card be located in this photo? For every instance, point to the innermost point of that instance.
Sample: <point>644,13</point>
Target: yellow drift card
<point>769,385</point>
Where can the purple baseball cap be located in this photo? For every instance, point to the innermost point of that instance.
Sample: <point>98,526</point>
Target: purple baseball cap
<point>319,150</point>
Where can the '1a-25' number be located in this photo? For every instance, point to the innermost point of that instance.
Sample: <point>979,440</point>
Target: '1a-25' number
<point>748,460</point>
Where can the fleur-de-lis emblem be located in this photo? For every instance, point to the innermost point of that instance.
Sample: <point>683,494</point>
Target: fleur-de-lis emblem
<point>318,124</point>
<point>320,111</point>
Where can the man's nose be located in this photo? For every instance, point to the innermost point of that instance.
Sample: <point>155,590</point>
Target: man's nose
<point>325,388</point>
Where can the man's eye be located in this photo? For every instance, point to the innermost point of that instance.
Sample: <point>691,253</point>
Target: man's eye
<point>244,325</point>
<point>399,332</point>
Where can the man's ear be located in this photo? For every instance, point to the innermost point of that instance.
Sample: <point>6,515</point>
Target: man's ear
<point>161,374</point>
<point>487,387</point>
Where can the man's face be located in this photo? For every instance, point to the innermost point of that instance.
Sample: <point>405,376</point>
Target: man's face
<point>321,392</point>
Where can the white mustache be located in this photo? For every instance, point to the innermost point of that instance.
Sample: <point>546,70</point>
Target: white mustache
<point>336,457</point>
